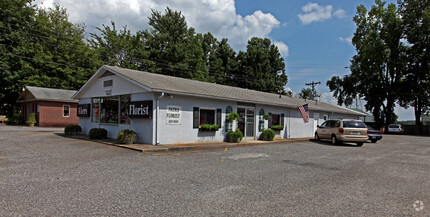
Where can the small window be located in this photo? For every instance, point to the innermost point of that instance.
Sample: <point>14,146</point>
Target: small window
<point>207,116</point>
<point>66,110</point>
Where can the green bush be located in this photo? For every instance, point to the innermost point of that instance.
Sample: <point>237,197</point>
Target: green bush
<point>266,116</point>
<point>126,137</point>
<point>209,127</point>
<point>234,136</point>
<point>267,135</point>
<point>97,133</point>
<point>277,127</point>
<point>72,130</point>
<point>15,119</point>
<point>31,119</point>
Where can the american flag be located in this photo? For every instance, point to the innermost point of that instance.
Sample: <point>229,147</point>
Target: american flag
<point>305,112</point>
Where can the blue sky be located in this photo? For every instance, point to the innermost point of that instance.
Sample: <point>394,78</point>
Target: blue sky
<point>313,36</point>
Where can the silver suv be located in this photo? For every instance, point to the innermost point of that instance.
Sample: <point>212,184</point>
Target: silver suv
<point>342,130</point>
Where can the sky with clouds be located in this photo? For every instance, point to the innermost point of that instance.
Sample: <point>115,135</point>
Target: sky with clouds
<point>314,37</point>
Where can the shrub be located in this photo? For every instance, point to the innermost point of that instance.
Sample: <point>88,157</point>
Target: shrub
<point>32,119</point>
<point>266,116</point>
<point>97,133</point>
<point>233,116</point>
<point>209,127</point>
<point>277,127</point>
<point>126,136</point>
<point>234,136</point>
<point>72,130</point>
<point>15,119</point>
<point>267,135</point>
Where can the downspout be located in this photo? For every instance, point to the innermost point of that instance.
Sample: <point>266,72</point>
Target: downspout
<point>156,118</point>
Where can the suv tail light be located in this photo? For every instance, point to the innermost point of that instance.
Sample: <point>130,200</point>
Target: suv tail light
<point>340,130</point>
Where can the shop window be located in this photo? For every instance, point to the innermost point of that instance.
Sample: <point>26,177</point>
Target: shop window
<point>95,115</point>
<point>66,110</point>
<point>207,116</point>
<point>124,102</point>
<point>109,110</point>
<point>276,119</point>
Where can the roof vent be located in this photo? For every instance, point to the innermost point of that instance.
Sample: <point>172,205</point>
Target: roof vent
<point>107,83</point>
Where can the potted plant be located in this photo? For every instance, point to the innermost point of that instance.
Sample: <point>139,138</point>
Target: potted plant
<point>31,120</point>
<point>233,116</point>
<point>126,137</point>
<point>266,116</point>
<point>234,136</point>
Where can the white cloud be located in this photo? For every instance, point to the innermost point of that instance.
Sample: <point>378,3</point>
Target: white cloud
<point>283,48</point>
<point>216,16</point>
<point>328,98</point>
<point>346,39</point>
<point>318,13</point>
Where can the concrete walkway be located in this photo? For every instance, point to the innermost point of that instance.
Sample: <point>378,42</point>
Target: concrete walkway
<point>145,148</point>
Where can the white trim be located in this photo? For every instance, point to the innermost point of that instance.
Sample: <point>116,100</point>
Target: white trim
<point>64,105</point>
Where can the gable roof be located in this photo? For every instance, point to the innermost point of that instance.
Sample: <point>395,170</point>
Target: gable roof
<point>175,85</point>
<point>46,94</point>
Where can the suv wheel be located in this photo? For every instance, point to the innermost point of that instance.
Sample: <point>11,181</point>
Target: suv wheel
<point>359,144</point>
<point>317,137</point>
<point>333,140</point>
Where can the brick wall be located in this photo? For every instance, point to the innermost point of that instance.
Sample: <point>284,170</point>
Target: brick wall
<point>51,114</point>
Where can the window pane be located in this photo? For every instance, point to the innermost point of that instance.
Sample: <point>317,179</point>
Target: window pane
<point>207,116</point>
<point>109,106</point>
<point>95,116</point>
<point>275,119</point>
<point>66,110</point>
<point>125,100</point>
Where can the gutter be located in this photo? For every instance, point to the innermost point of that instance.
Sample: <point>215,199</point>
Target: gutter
<point>157,115</point>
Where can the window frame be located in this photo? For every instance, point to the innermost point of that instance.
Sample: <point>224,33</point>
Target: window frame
<point>66,116</point>
<point>100,107</point>
<point>207,109</point>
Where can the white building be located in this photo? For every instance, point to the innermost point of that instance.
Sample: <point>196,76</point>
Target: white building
<point>169,110</point>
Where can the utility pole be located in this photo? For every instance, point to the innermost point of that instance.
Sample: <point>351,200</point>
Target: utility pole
<point>313,84</point>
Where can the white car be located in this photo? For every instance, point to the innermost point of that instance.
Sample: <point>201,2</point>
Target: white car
<point>395,128</point>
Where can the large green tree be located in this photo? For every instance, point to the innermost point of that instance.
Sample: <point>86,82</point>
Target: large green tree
<point>173,46</point>
<point>416,20</point>
<point>261,67</point>
<point>377,68</point>
<point>16,41</point>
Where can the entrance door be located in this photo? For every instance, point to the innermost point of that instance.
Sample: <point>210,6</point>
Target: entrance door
<point>246,122</point>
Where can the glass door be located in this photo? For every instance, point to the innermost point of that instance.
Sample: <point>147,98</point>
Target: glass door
<point>246,121</point>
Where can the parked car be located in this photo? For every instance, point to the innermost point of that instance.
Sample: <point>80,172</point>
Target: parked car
<point>342,130</point>
<point>395,128</point>
<point>373,134</point>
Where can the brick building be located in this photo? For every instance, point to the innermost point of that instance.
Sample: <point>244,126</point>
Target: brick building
<point>52,107</point>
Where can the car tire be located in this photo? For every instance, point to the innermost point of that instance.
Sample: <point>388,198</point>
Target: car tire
<point>333,140</point>
<point>359,144</point>
<point>317,138</point>
<point>373,140</point>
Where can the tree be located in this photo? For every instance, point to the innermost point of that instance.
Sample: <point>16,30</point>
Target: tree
<point>377,68</point>
<point>416,17</point>
<point>62,59</point>
<point>261,67</point>
<point>173,47</point>
<point>120,48</point>
<point>308,93</point>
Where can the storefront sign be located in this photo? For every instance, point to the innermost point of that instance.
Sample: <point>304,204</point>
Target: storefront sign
<point>140,109</point>
<point>173,115</point>
<point>83,110</point>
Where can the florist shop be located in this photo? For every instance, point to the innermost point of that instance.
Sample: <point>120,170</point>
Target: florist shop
<point>170,110</point>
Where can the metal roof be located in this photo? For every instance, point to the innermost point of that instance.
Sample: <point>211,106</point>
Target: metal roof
<point>46,94</point>
<point>175,85</point>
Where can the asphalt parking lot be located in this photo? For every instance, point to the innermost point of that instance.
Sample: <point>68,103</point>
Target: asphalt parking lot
<point>44,173</point>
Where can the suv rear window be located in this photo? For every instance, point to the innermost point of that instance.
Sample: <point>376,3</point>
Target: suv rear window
<point>354,124</point>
